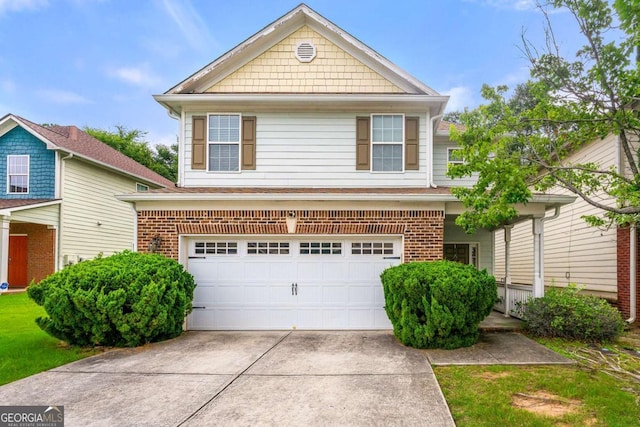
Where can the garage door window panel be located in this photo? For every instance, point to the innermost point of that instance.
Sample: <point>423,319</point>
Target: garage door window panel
<point>372,248</point>
<point>216,248</point>
<point>320,248</point>
<point>268,248</point>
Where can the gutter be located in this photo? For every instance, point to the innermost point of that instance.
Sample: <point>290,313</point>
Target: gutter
<point>633,271</point>
<point>430,151</point>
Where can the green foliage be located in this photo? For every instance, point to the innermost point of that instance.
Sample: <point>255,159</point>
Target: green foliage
<point>163,160</point>
<point>565,313</point>
<point>127,299</point>
<point>522,143</point>
<point>437,304</point>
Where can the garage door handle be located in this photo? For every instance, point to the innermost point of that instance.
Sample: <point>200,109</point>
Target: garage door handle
<point>198,307</point>
<point>197,257</point>
<point>294,289</point>
<point>391,257</point>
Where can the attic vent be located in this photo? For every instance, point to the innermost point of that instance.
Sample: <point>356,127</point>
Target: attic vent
<point>305,52</point>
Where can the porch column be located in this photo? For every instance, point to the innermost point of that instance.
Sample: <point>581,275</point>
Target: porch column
<point>507,267</point>
<point>4,248</point>
<point>538,257</point>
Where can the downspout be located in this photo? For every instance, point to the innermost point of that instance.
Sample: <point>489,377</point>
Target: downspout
<point>430,146</point>
<point>633,271</point>
<point>538,250</point>
<point>59,263</point>
<point>134,244</point>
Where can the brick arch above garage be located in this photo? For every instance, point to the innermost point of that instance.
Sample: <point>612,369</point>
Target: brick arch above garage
<point>423,230</point>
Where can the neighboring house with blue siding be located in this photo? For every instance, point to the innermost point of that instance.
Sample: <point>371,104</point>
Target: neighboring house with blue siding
<point>57,204</point>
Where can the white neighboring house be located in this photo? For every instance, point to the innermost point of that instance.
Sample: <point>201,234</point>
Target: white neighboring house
<point>57,198</point>
<point>604,262</point>
<point>309,163</point>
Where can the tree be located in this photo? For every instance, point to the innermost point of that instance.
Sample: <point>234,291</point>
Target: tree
<point>523,143</point>
<point>452,117</point>
<point>163,160</point>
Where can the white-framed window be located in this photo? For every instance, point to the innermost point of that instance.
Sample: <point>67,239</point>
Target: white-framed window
<point>268,248</point>
<point>372,248</point>
<point>18,174</point>
<point>387,142</point>
<point>223,142</point>
<point>141,188</point>
<point>320,248</point>
<point>216,248</point>
<point>454,156</point>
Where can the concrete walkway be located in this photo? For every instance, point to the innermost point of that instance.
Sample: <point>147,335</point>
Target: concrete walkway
<point>245,378</point>
<point>499,348</point>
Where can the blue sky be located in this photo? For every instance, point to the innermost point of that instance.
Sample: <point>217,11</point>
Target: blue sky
<point>97,63</point>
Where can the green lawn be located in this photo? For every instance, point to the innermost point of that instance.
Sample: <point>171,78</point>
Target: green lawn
<point>602,389</point>
<point>24,348</point>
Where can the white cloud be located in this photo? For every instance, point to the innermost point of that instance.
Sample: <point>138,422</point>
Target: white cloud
<point>459,98</point>
<point>20,5</point>
<point>62,97</point>
<point>516,77</point>
<point>187,19</point>
<point>137,75</point>
<point>155,138</point>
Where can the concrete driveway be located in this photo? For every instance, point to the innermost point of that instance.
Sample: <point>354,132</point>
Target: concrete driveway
<point>245,378</point>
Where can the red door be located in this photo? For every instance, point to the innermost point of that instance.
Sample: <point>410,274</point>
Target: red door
<point>18,261</point>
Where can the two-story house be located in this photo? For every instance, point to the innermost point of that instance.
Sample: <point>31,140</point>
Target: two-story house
<point>309,163</point>
<point>57,198</point>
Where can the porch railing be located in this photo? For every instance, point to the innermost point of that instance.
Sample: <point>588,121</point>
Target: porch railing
<point>511,298</point>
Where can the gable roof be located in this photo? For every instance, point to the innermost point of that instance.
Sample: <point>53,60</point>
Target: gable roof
<point>72,140</point>
<point>281,28</point>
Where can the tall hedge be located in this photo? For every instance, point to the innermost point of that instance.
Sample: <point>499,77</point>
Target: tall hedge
<point>127,299</point>
<point>437,304</point>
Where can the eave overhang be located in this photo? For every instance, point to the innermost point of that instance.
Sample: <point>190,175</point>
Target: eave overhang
<point>408,103</point>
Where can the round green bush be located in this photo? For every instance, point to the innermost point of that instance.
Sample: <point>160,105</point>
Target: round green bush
<point>127,299</point>
<point>437,304</point>
<point>565,313</point>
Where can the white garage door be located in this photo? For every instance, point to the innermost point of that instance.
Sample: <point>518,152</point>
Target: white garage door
<point>282,283</point>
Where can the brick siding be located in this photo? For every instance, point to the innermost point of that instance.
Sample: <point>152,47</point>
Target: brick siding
<point>623,272</point>
<point>423,230</point>
<point>40,249</point>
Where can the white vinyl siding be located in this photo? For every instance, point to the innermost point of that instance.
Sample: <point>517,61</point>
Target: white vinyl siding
<point>483,238</point>
<point>305,150</point>
<point>46,215</point>
<point>441,147</point>
<point>93,220</point>
<point>573,251</point>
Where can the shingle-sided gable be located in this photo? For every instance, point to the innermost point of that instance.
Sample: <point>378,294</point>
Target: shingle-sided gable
<point>41,164</point>
<point>278,70</point>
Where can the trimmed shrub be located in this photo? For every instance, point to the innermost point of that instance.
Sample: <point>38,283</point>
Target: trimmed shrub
<point>437,304</point>
<point>125,300</point>
<point>565,313</point>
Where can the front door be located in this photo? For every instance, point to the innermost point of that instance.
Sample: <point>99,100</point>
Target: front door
<point>18,261</point>
<point>457,252</point>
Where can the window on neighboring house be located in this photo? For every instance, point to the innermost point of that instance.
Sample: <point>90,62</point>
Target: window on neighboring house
<point>454,156</point>
<point>224,142</point>
<point>18,174</point>
<point>387,136</point>
<point>141,188</point>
